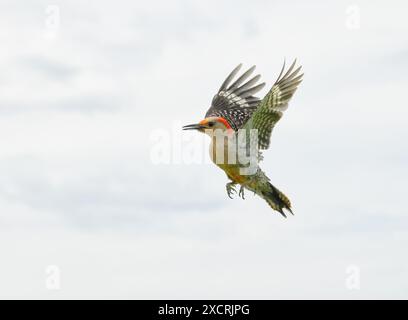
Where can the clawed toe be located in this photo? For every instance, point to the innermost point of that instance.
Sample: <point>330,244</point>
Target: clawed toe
<point>241,192</point>
<point>231,189</point>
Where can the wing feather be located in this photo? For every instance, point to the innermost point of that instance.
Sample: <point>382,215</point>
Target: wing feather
<point>272,106</point>
<point>230,77</point>
<point>236,102</point>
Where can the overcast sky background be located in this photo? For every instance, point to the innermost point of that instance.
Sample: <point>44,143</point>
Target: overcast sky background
<point>78,190</point>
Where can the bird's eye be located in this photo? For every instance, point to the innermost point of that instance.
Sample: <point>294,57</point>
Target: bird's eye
<point>211,124</point>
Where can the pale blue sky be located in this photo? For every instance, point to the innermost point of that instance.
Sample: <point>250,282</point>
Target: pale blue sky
<point>78,189</point>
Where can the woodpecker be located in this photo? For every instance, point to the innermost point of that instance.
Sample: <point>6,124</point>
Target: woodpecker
<point>235,109</point>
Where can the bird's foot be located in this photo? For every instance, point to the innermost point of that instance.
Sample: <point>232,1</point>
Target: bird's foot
<point>241,192</point>
<point>230,189</point>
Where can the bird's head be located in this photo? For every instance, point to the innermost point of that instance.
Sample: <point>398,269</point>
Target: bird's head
<point>209,125</point>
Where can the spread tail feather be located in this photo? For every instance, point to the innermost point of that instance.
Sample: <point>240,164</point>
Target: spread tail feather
<point>276,199</point>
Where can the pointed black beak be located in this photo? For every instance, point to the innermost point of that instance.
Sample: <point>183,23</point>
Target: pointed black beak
<point>194,127</point>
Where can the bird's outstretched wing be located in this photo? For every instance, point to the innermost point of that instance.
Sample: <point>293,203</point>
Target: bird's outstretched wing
<point>236,102</point>
<point>272,106</point>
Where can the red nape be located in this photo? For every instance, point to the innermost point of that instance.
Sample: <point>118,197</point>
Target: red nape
<point>224,121</point>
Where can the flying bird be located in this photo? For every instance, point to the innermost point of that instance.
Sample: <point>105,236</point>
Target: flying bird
<point>240,126</point>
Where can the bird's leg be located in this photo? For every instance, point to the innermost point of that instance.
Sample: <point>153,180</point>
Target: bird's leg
<point>230,189</point>
<point>241,192</point>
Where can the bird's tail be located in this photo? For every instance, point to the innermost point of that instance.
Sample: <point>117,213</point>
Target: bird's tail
<point>276,199</point>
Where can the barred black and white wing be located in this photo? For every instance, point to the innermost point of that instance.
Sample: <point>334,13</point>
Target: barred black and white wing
<point>272,106</point>
<point>236,102</point>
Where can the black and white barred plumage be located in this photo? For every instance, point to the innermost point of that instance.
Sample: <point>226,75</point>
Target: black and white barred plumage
<point>272,106</point>
<point>236,102</point>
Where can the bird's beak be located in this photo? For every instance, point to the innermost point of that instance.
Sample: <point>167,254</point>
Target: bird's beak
<point>194,127</point>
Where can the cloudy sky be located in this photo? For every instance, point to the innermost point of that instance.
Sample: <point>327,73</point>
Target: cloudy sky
<point>87,212</point>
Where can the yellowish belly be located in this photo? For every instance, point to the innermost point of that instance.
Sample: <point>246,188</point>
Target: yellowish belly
<point>232,170</point>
